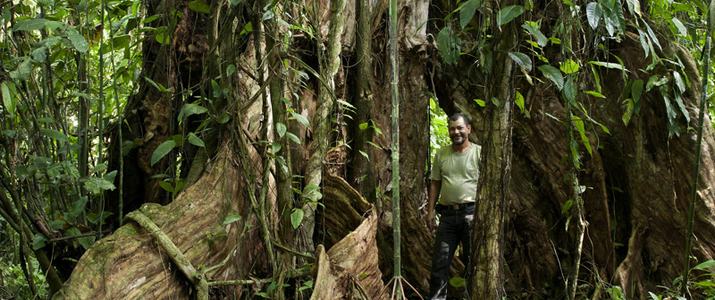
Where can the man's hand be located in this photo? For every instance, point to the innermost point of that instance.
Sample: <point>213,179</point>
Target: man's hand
<point>431,223</point>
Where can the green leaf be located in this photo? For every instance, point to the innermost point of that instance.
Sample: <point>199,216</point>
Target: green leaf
<point>608,65</point>
<point>162,151</point>
<point>706,265</point>
<point>191,109</point>
<point>652,35</point>
<point>29,25</point>
<point>296,217</point>
<point>580,127</point>
<point>566,207</point>
<point>509,13</point>
<point>98,185</point>
<point>195,140</point>
<point>281,129</point>
<point>533,29</point>
<point>7,100</point>
<point>679,82</point>
<point>637,90</point>
<point>230,70</point>
<point>480,102</point>
<point>593,14</point>
<point>448,45</point>
<point>628,113</point>
<point>161,36</point>
<point>166,186</point>
<point>275,148</point>
<point>293,138</point>
<point>522,60</point>
<point>569,91</point>
<point>78,206</point>
<point>634,7</point>
<point>519,100</point>
<point>457,281</point>
<point>645,43</point>
<point>38,241</point>
<point>363,126</point>
<point>553,74</point>
<point>681,106</point>
<point>230,218</point>
<point>77,40</point>
<point>200,7</point>
<point>157,85</point>
<point>300,118</point>
<point>680,27</point>
<point>23,71</point>
<point>467,10</point>
<point>569,66</point>
<point>39,54</point>
<point>654,81</point>
<point>54,134</point>
<point>595,94</point>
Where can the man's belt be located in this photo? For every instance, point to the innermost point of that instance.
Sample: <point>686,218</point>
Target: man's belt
<point>457,206</point>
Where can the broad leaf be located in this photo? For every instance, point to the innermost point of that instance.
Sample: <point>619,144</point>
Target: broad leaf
<point>195,140</point>
<point>680,27</point>
<point>467,10</point>
<point>654,81</point>
<point>509,13</point>
<point>230,218</point>
<point>7,100</point>
<point>679,82</point>
<point>300,118</point>
<point>581,128</point>
<point>77,40</point>
<point>706,265</point>
<point>519,101</point>
<point>522,60</point>
<point>448,45</point>
<point>628,113</point>
<point>634,7</point>
<point>683,109</point>
<point>593,14</point>
<point>645,43</point>
<point>595,94</point>
<point>281,129</point>
<point>570,91</point>
<point>533,29</point>
<point>200,6</point>
<point>29,25</point>
<point>569,66</point>
<point>652,36</point>
<point>637,90</point>
<point>609,65</point>
<point>296,217</point>
<point>293,138</point>
<point>162,151</point>
<point>191,109</point>
<point>553,74</point>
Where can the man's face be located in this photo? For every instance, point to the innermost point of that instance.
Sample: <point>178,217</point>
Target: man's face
<point>459,131</point>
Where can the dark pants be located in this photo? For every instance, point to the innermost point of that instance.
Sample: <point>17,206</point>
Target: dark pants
<point>455,226</point>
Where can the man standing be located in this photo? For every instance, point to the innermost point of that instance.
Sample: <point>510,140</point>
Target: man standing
<point>454,181</point>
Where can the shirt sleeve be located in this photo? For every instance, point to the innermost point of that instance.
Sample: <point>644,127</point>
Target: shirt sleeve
<point>436,173</point>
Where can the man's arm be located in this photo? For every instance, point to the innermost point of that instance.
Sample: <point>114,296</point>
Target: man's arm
<point>434,188</point>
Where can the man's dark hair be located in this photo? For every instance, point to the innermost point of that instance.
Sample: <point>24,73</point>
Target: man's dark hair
<point>455,116</point>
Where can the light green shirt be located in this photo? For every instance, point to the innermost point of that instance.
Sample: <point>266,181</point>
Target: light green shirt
<point>458,172</point>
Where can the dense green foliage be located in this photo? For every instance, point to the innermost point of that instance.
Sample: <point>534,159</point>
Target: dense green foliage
<point>67,69</point>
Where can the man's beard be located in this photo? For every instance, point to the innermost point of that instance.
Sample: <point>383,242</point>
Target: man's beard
<point>458,140</point>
